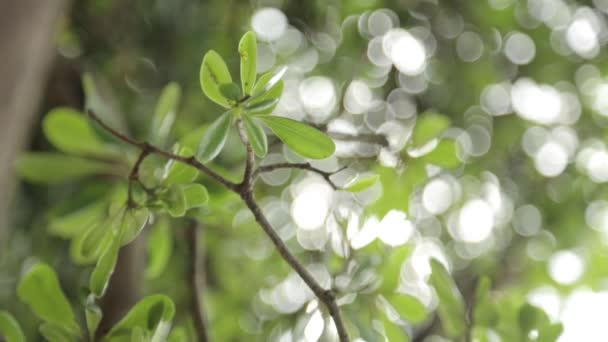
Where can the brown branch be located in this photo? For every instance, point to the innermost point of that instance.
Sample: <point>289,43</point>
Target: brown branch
<point>245,191</point>
<point>196,283</point>
<point>134,177</point>
<point>302,166</point>
<point>144,146</point>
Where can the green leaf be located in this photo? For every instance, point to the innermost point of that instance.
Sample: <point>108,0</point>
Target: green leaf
<point>55,333</point>
<point>214,139</point>
<point>248,51</point>
<point>102,272</point>
<point>165,113</point>
<point>265,98</point>
<point>93,315</point>
<point>485,311</point>
<point>87,246</point>
<point>52,168</point>
<point>175,201</point>
<point>303,139</point>
<point>153,313</point>
<point>391,269</point>
<point>262,107</point>
<point>256,135</point>
<point>133,223</point>
<point>180,173</point>
<point>70,132</point>
<point>160,248</point>
<point>214,73</point>
<point>409,308</point>
<point>444,155</point>
<point>196,195</point>
<point>76,222</point>
<point>231,91</point>
<point>451,307</point>
<point>362,183</point>
<point>428,127</point>
<point>178,334</point>
<point>10,328</point>
<point>267,83</point>
<point>39,288</point>
<point>394,332</point>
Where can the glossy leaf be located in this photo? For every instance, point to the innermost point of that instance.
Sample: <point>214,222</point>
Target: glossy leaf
<point>214,139</point>
<point>444,155</point>
<point>160,249</point>
<point>180,173</point>
<point>262,107</point>
<point>195,195</point>
<point>51,168</point>
<point>256,135</point>
<point>133,223</point>
<point>93,315</point>
<point>265,98</point>
<point>303,139</point>
<point>175,201</point>
<point>268,82</point>
<point>70,132</point>
<point>408,307</point>
<point>213,74</point>
<point>87,246</point>
<point>165,113</point>
<point>10,328</point>
<point>451,307</point>
<point>362,183</point>
<point>104,268</point>
<point>248,51</point>
<point>153,313</point>
<point>39,288</point>
<point>429,125</point>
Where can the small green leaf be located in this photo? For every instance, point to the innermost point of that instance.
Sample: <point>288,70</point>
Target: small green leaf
<point>39,288</point>
<point>196,195</point>
<point>156,309</point>
<point>175,201</point>
<point>362,183</point>
<point>409,308</point>
<point>55,333</point>
<point>394,332</point>
<point>265,99</point>
<point>93,315</point>
<point>76,222</point>
<point>180,173</point>
<point>70,132</point>
<point>256,135</point>
<point>178,334</point>
<point>268,82</point>
<point>231,91</point>
<point>451,307</point>
<point>52,168</point>
<point>165,113</point>
<point>485,311</point>
<point>214,73</point>
<point>105,266</point>
<point>133,223</point>
<point>303,139</point>
<point>391,269</point>
<point>444,155</point>
<point>214,139</point>
<point>429,126</point>
<point>10,328</point>
<point>249,59</point>
<point>87,246</point>
<point>160,248</point>
<point>262,107</point>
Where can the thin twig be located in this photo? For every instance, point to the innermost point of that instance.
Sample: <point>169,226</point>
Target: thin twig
<point>302,166</point>
<point>197,283</point>
<point>153,149</point>
<point>245,191</point>
<point>134,177</point>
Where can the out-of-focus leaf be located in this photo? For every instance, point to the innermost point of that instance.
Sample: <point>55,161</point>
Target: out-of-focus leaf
<point>51,168</point>
<point>429,125</point>
<point>485,313</point>
<point>397,187</point>
<point>180,173</point>
<point>178,334</point>
<point>215,137</point>
<point>10,328</point>
<point>175,200</point>
<point>196,195</point>
<point>213,74</point>
<point>256,135</point>
<point>362,183</point>
<point>70,225</point>
<point>451,307</point>
<point>160,248</point>
<point>134,221</point>
<point>444,155</point>
<point>533,319</point>
<point>93,315</point>
<point>104,268</point>
<point>87,246</point>
<point>165,113</point>
<point>408,307</point>
<point>70,132</point>
<point>248,50</point>
<point>39,288</point>
<point>55,333</point>
<point>394,332</point>
<point>153,313</point>
<point>303,139</point>
<point>391,270</point>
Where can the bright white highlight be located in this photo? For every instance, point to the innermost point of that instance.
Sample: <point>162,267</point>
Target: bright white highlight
<point>475,221</point>
<point>566,267</point>
<point>311,205</point>
<point>269,23</point>
<point>318,96</point>
<point>407,53</point>
<point>551,159</point>
<point>437,196</point>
